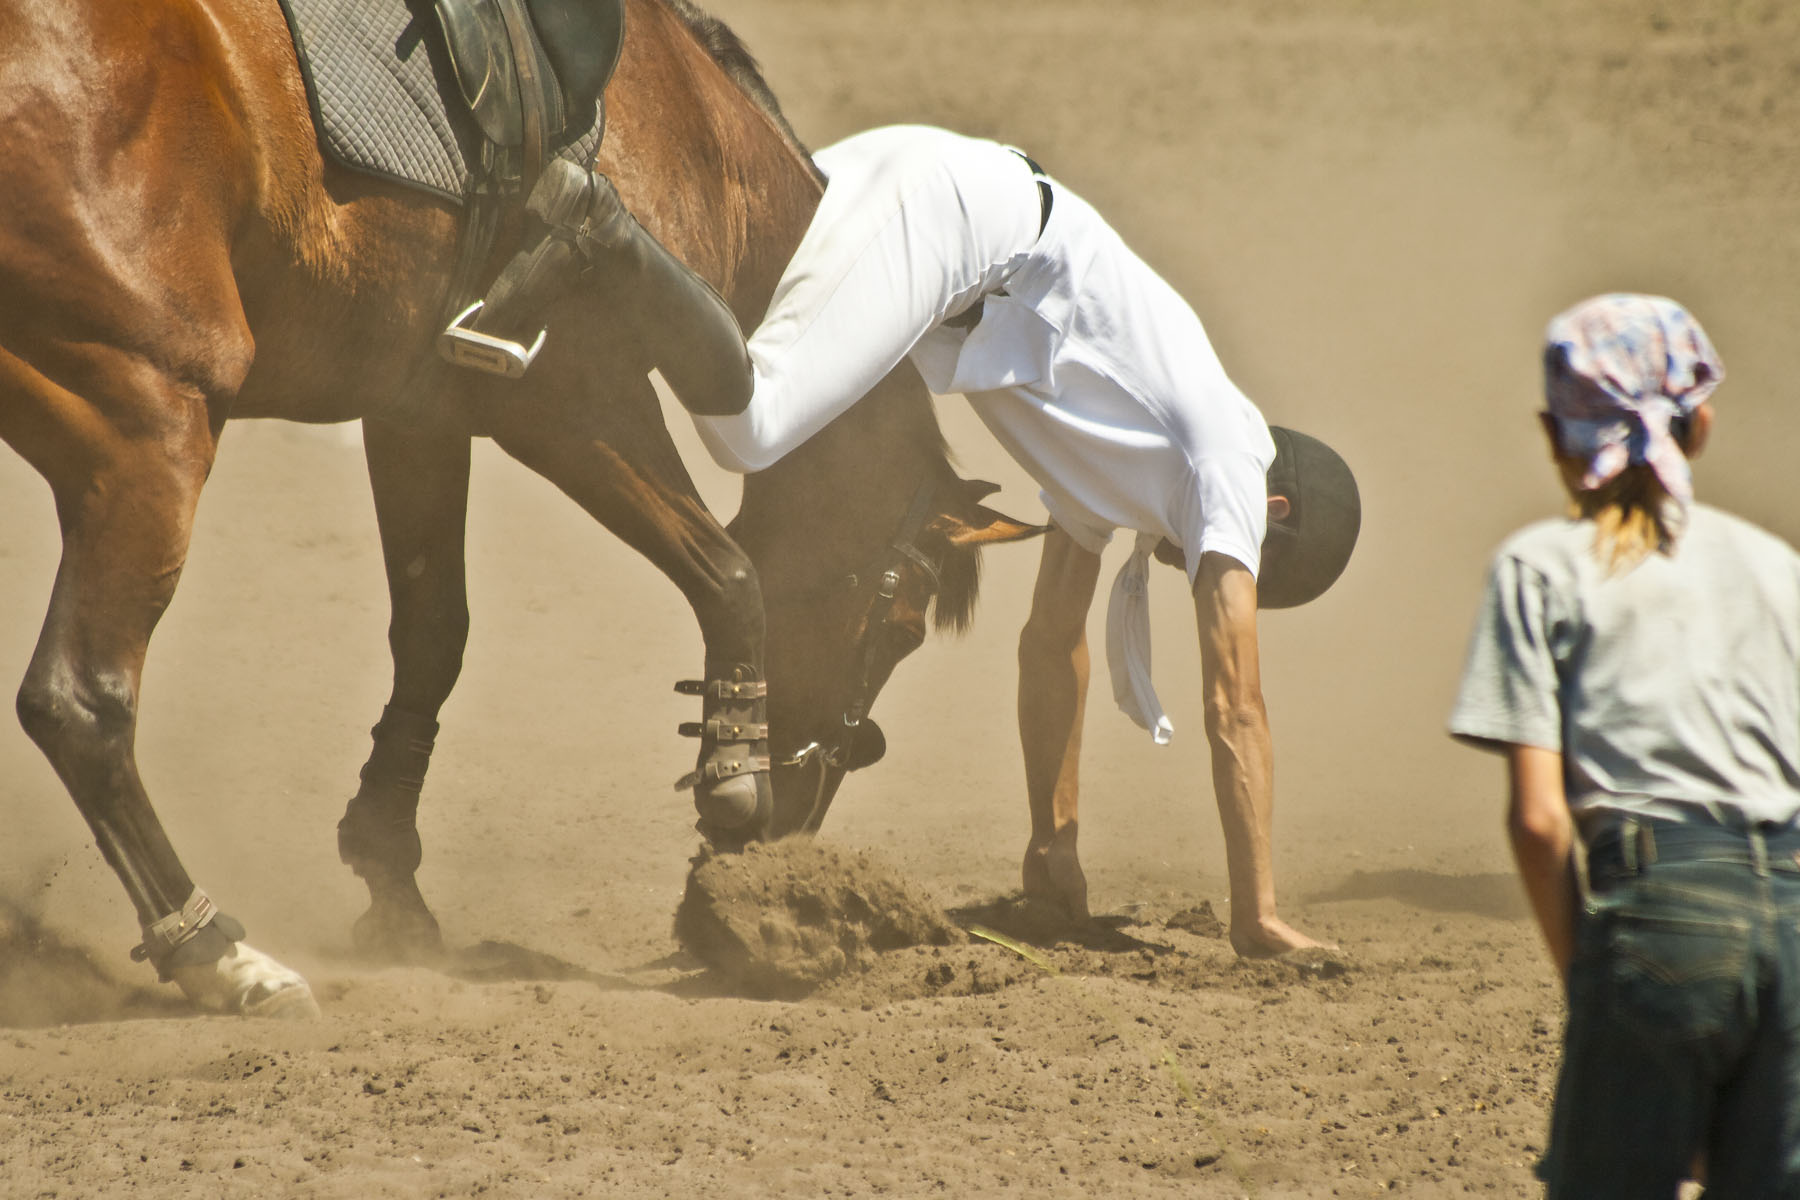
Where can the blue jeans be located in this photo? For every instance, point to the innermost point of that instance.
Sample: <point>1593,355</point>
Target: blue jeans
<point>1684,1018</point>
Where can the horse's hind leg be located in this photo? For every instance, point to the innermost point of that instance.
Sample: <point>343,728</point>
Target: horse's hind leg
<point>127,472</point>
<point>420,478</point>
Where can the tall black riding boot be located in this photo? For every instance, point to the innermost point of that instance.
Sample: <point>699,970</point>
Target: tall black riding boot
<point>692,336</point>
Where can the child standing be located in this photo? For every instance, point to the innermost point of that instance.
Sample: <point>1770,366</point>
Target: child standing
<point>1638,663</point>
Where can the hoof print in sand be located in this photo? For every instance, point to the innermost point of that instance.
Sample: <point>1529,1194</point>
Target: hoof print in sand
<point>781,919</point>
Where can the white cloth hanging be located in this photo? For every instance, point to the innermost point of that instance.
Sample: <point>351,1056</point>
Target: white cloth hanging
<point>1128,643</point>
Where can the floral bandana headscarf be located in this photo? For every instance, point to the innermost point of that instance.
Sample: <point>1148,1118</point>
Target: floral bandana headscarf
<point>1618,370</point>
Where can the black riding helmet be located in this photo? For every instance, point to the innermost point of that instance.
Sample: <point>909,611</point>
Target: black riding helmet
<point>1305,552</point>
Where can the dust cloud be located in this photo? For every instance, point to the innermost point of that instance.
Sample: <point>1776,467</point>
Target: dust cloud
<point>1374,205</point>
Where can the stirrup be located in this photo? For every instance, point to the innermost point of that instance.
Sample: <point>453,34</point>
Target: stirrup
<point>462,345</point>
<point>537,274</point>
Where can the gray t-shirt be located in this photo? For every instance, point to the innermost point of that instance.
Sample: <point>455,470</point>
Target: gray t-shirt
<point>1672,690</point>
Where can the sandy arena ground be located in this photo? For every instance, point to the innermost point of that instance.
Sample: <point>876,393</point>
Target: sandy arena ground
<point>1375,205</point>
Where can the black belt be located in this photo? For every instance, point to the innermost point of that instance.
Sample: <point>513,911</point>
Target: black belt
<point>971,316</point>
<point>1046,198</point>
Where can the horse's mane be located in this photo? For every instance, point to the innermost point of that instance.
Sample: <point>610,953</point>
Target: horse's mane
<point>729,51</point>
<point>960,571</point>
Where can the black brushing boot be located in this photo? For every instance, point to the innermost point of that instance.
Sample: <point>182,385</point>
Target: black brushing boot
<point>731,785</point>
<point>592,238</point>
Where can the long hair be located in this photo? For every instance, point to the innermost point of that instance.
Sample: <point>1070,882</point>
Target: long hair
<point>1631,516</point>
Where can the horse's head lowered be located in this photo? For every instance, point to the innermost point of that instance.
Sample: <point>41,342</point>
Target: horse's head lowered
<point>860,538</point>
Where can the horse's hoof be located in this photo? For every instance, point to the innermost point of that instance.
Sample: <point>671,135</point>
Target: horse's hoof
<point>402,937</point>
<point>729,803</point>
<point>735,812</point>
<point>248,983</point>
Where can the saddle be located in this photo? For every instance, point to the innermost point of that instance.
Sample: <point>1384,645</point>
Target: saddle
<point>533,73</point>
<point>531,70</point>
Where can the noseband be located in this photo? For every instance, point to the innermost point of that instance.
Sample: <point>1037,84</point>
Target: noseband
<point>878,622</point>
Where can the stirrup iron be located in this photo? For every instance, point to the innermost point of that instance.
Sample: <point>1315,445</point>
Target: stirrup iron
<point>462,345</point>
<point>535,277</point>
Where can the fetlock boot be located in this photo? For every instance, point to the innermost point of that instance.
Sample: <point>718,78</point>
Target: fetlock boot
<point>591,238</point>
<point>730,781</point>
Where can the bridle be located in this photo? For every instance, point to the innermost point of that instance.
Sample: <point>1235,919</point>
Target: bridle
<point>878,622</point>
<point>879,633</point>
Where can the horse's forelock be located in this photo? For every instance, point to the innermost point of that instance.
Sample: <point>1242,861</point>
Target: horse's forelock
<point>959,574</point>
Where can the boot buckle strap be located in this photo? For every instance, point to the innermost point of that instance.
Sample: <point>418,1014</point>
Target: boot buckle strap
<point>722,769</point>
<point>721,730</point>
<point>167,934</point>
<point>724,689</point>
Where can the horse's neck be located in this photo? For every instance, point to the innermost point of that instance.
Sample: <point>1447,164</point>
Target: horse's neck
<point>857,476</point>
<point>873,458</point>
<point>747,231</point>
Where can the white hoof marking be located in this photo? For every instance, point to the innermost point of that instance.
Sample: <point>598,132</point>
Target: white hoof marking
<point>248,983</point>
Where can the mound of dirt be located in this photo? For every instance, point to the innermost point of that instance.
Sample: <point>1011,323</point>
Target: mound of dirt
<point>779,920</point>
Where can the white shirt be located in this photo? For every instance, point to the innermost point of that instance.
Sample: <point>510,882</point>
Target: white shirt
<point>1086,365</point>
<point>1098,378</point>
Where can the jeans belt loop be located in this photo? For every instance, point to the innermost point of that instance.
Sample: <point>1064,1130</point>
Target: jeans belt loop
<point>1646,839</point>
<point>1759,853</point>
<point>1628,845</point>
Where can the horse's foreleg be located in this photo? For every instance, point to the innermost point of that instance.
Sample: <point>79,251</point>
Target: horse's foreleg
<point>615,459</point>
<point>420,478</point>
<point>127,475</point>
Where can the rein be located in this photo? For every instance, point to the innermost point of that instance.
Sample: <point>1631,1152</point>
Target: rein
<point>878,620</point>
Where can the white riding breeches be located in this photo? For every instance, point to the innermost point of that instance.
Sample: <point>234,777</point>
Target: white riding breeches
<point>914,227</point>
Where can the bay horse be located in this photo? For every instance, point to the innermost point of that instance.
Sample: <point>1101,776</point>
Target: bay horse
<point>176,252</point>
